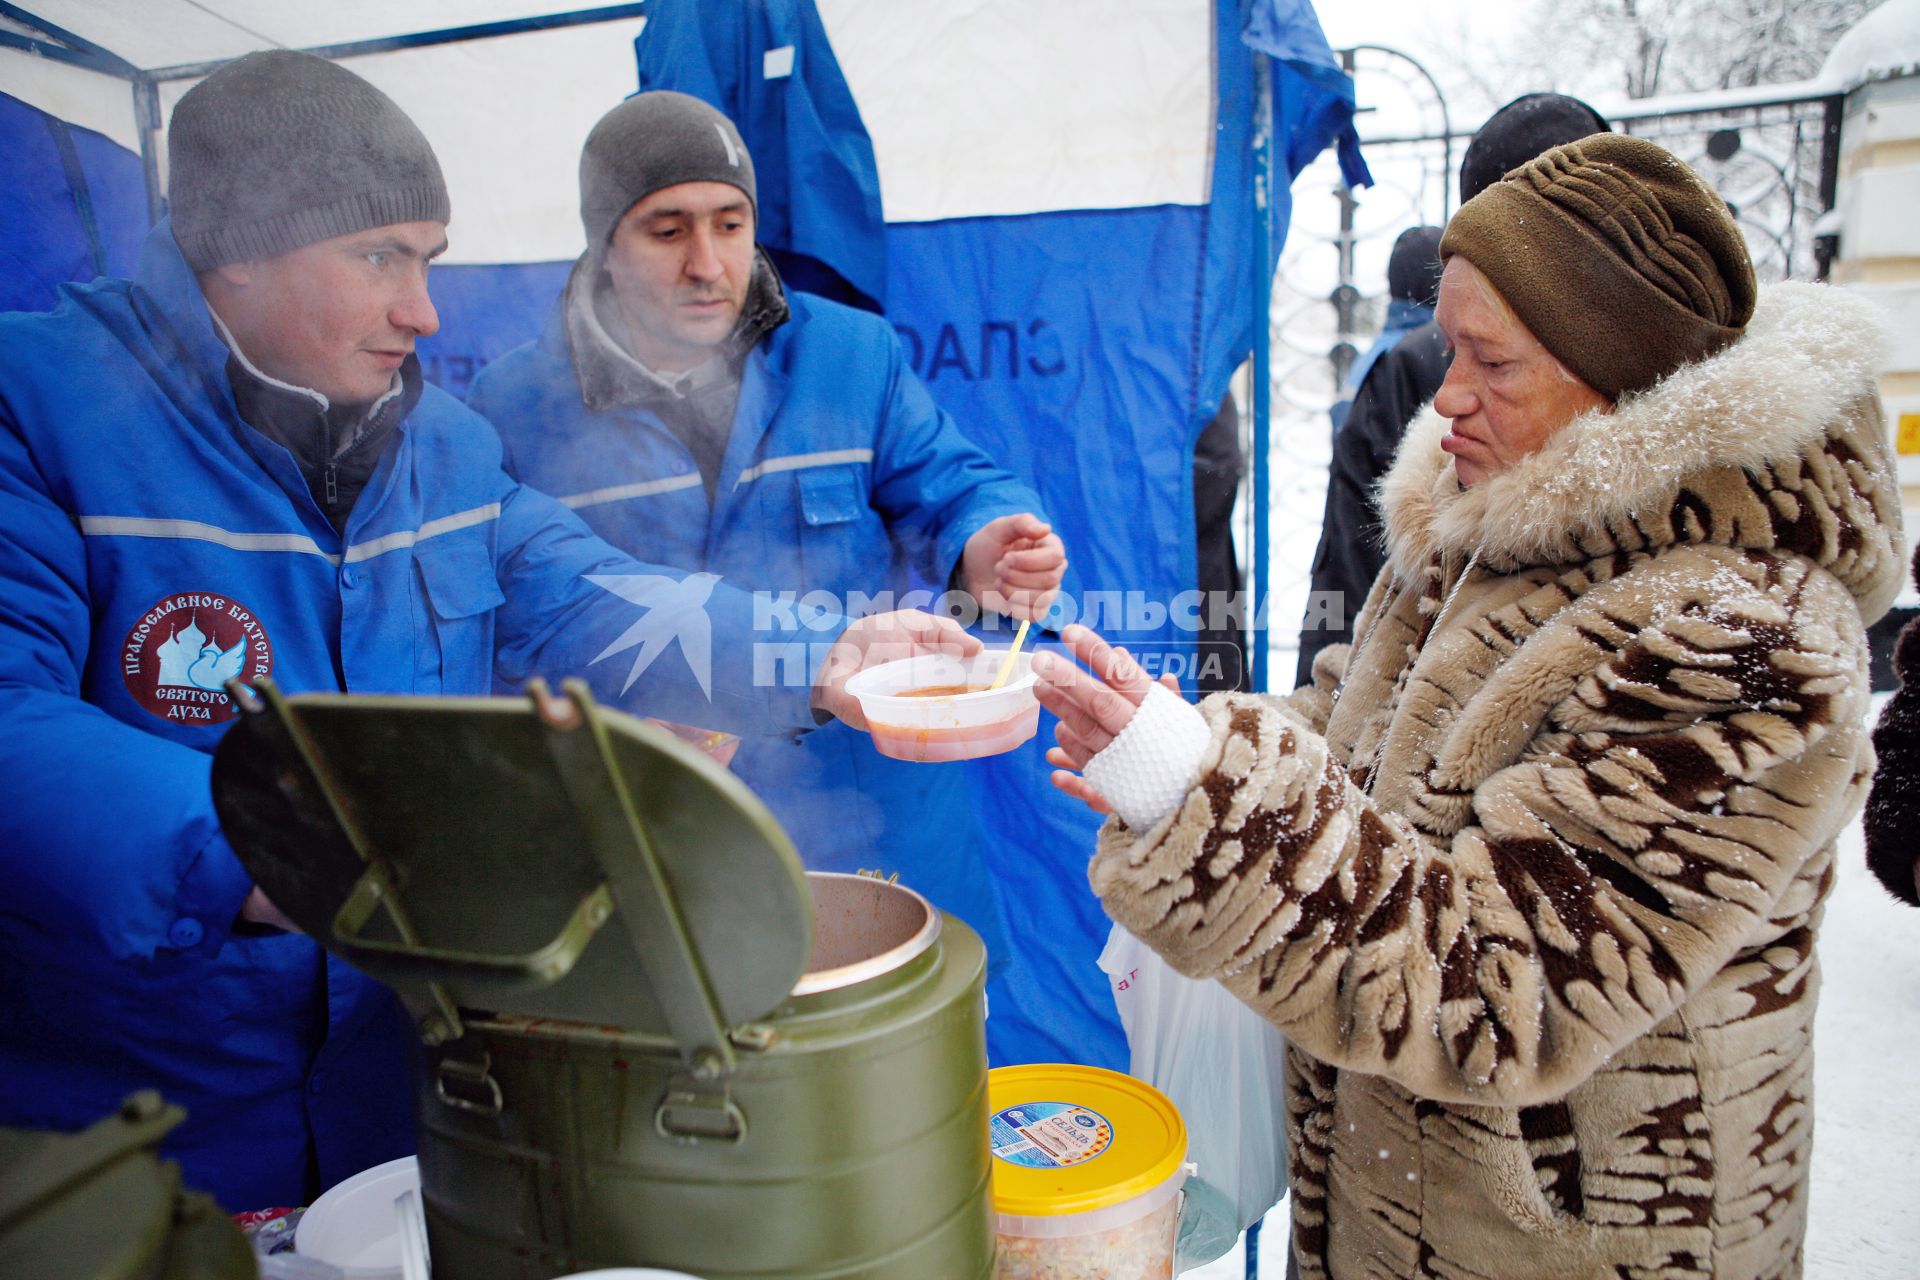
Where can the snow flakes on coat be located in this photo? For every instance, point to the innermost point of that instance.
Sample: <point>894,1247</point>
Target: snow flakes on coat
<point>1535,897</point>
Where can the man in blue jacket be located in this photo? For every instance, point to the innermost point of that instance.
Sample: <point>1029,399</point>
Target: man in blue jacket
<point>696,413</point>
<point>230,467</point>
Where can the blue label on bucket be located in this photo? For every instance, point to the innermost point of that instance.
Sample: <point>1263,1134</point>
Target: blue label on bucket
<point>1049,1135</point>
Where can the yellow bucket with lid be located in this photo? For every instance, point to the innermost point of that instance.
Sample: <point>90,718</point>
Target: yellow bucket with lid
<point>1088,1166</point>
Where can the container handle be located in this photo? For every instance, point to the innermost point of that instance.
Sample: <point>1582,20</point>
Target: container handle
<point>469,1075</point>
<point>688,1117</point>
<point>544,964</point>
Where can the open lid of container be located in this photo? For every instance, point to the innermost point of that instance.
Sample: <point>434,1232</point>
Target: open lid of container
<point>543,856</point>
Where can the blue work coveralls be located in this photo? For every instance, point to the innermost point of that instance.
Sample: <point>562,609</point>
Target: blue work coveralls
<point>152,544</point>
<point>841,476</point>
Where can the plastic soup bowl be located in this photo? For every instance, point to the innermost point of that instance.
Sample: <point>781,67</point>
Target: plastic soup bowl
<point>948,725</point>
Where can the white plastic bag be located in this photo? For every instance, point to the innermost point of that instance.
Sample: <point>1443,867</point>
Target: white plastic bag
<point>1222,1064</point>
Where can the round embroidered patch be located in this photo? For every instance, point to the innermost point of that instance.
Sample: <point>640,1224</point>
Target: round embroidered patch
<point>180,654</point>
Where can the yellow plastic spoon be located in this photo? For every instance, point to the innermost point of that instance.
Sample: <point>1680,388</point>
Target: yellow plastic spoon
<point>1006,663</point>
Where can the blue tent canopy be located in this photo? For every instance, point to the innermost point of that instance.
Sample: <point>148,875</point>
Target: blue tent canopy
<point>1085,343</point>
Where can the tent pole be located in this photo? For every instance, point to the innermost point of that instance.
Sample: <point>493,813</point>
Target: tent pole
<point>146,115</point>
<point>67,46</point>
<point>1262,295</point>
<point>422,39</point>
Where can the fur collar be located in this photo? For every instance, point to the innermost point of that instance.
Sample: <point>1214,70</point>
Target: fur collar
<point>1807,359</point>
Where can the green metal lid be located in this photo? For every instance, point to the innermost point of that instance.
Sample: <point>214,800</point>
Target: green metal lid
<point>100,1205</point>
<point>538,856</point>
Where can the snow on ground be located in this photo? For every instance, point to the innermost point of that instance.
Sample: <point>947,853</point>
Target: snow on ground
<point>1865,1216</point>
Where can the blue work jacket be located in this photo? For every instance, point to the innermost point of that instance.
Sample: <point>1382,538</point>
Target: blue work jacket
<point>841,476</point>
<point>152,544</point>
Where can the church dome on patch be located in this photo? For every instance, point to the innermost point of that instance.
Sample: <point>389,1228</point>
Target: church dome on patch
<point>179,655</point>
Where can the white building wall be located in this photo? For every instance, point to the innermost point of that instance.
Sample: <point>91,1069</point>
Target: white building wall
<point>1879,250</point>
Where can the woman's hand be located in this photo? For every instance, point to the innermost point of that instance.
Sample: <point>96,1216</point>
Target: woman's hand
<point>1093,708</point>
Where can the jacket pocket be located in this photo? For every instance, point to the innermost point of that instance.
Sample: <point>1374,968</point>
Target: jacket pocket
<point>455,647</point>
<point>834,533</point>
<point>830,496</point>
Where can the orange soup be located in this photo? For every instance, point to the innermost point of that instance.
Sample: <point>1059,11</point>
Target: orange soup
<point>941,690</point>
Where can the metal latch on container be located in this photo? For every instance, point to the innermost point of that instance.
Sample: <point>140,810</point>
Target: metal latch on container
<point>467,1086</point>
<point>690,1113</point>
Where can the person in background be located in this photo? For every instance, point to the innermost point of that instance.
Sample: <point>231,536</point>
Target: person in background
<point>230,468</point>
<point>1218,465</point>
<point>1413,278</point>
<point>695,412</point>
<point>1401,382</point>
<point>1531,876</point>
<point>1892,822</point>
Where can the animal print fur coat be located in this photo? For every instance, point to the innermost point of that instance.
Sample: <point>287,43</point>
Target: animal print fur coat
<point>1534,891</point>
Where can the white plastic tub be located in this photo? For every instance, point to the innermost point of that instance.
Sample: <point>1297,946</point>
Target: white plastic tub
<point>956,726</point>
<point>354,1225</point>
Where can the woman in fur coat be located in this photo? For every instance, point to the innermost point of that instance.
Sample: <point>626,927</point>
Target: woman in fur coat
<point>1531,876</point>
<point>1893,809</point>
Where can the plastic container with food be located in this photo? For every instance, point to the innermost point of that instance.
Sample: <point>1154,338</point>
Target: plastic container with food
<point>1087,1174</point>
<point>937,707</point>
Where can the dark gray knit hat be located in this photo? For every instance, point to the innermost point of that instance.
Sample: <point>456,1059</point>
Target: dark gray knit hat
<point>652,140</point>
<point>280,149</point>
<point>1413,268</point>
<point>1521,130</point>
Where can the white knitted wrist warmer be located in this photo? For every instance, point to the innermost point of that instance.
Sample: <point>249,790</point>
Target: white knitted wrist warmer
<point>1146,772</point>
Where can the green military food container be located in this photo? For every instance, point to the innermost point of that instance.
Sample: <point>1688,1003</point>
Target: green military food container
<point>651,1038</point>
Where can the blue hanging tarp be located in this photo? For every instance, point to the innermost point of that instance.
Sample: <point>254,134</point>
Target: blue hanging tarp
<point>73,205</point>
<point>769,67</point>
<point>1085,350</point>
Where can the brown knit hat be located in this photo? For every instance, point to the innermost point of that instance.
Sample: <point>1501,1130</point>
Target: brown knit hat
<point>1619,258</point>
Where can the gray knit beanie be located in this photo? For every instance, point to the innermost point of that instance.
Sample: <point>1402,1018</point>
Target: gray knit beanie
<point>652,140</point>
<point>280,149</point>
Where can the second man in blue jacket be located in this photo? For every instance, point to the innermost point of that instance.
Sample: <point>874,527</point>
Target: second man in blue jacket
<point>694,412</point>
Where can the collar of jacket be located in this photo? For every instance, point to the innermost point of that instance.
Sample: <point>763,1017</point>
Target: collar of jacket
<point>167,286</point>
<point>1402,314</point>
<point>1795,397</point>
<point>609,376</point>
<point>301,419</point>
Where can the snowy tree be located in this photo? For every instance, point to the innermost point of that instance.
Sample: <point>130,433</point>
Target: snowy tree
<point>1639,48</point>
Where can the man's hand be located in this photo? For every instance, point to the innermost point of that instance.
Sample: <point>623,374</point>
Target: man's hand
<point>1093,709</point>
<point>1013,565</point>
<point>883,637</point>
<point>259,909</point>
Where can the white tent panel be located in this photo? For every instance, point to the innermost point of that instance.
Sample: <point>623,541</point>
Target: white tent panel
<point>164,33</point>
<point>1009,107</point>
<point>982,108</point>
<point>78,96</point>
